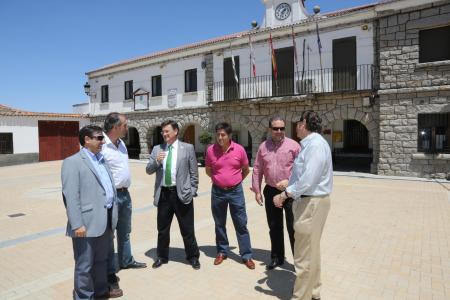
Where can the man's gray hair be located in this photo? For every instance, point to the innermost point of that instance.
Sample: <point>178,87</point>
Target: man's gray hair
<point>112,119</point>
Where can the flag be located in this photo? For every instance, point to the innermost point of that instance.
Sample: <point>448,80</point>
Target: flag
<point>234,69</point>
<point>252,56</point>
<point>319,46</point>
<point>274,60</point>
<point>319,43</point>
<point>294,43</point>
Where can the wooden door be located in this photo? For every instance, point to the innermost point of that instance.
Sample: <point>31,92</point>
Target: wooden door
<point>231,88</point>
<point>57,139</point>
<point>344,64</point>
<point>284,84</point>
<point>189,135</point>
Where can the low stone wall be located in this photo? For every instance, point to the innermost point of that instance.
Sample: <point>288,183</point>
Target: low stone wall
<point>18,159</point>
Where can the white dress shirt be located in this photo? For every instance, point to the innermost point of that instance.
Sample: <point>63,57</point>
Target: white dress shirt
<point>174,163</point>
<point>117,159</point>
<point>312,174</point>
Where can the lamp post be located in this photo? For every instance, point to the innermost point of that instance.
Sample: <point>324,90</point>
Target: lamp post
<point>87,88</point>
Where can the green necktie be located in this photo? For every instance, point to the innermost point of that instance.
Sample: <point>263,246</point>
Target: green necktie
<point>168,173</point>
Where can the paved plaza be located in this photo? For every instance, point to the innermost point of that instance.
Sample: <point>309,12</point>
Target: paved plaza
<point>384,239</point>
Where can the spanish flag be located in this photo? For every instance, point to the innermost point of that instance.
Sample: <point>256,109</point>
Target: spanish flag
<point>274,60</point>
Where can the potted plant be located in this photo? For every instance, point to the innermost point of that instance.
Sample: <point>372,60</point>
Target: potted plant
<point>205,139</point>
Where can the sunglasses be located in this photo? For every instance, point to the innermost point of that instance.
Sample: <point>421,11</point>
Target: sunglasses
<point>98,137</point>
<point>278,128</point>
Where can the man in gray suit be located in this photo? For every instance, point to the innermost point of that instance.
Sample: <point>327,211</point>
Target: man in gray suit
<point>176,184</point>
<point>90,199</point>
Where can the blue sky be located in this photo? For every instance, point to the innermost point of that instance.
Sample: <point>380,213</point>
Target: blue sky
<point>46,46</point>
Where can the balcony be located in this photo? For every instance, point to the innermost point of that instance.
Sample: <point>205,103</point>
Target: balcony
<point>328,80</point>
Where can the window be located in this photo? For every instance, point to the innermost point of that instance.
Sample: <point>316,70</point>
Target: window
<point>105,93</point>
<point>6,143</point>
<point>434,133</point>
<point>128,89</point>
<point>190,80</point>
<point>434,44</point>
<point>156,86</point>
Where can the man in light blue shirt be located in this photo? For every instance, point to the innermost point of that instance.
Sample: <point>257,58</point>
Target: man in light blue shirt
<point>310,185</point>
<point>98,161</point>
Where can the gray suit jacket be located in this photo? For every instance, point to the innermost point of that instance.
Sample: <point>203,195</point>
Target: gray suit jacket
<point>187,172</point>
<point>84,196</point>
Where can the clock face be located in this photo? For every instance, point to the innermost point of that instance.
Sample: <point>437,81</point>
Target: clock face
<point>282,11</point>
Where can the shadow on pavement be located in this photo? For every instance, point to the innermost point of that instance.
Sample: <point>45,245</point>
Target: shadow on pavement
<point>279,284</point>
<point>175,255</point>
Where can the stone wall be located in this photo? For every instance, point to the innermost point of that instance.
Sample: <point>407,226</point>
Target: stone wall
<point>408,88</point>
<point>254,116</point>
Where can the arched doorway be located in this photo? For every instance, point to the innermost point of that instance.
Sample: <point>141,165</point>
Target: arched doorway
<point>243,137</point>
<point>351,146</point>
<point>189,135</point>
<point>132,143</point>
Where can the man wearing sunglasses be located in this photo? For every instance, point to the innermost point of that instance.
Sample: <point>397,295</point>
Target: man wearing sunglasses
<point>274,162</point>
<point>116,154</point>
<point>91,203</point>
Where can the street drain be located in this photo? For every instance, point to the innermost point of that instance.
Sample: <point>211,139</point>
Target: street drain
<point>16,215</point>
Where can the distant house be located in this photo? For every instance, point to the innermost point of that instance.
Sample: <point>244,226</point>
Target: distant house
<point>33,136</point>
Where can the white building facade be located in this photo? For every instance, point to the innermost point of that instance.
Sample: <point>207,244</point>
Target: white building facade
<point>292,62</point>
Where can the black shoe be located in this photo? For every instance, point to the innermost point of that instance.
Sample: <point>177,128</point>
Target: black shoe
<point>113,281</point>
<point>113,278</point>
<point>195,263</point>
<point>135,265</point>
<point>159,262</point>
<point>274,263</point>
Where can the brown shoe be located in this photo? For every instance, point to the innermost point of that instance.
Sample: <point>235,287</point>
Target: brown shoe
<point>115,293</point>
<point>249,263</point>
<point>220,258</point>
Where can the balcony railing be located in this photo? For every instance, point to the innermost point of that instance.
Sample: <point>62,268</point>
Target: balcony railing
<point>327,80</point>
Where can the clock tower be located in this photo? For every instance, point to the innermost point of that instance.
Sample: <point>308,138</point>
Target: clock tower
<point>283,12</point>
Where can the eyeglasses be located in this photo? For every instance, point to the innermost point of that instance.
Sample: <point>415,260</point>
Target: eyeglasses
<point>278,128</point>
<point>98,137</point>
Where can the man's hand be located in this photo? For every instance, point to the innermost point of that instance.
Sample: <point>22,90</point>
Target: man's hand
<point>160,157</point>
<point>80,232</point>
<point>259,199</point>
<point>282,185</point>
<point>278,200</point>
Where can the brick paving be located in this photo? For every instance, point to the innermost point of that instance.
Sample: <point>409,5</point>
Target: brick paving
<point>384,239</point>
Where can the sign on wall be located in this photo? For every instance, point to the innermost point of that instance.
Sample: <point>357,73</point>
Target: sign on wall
<point>141,99</point>
<point>172,97</point>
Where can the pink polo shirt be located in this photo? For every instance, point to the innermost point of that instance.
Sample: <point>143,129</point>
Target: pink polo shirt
<point>226,166</point>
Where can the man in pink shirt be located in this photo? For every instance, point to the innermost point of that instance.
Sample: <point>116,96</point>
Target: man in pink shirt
<point>274,161</point>
<point>227,165</point>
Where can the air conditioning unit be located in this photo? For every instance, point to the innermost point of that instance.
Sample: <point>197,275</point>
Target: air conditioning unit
<point>305,86</point>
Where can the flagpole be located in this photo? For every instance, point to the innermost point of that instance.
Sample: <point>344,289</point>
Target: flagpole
<point>319,43</point>
<point>274,62</point>
<point>303,59</point>
<point>296,59</point>
<point>234,72</point>
<point>253,64</point>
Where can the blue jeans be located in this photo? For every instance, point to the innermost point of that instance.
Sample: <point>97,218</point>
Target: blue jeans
<point>123,230</point>
<point>220,199</point>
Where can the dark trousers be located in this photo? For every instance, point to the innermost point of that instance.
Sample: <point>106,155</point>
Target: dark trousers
<point>170,205</point>
<point>275,221</point>
<point>91,254</point>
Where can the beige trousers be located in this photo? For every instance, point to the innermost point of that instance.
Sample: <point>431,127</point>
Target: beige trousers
<point>310,214</point>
